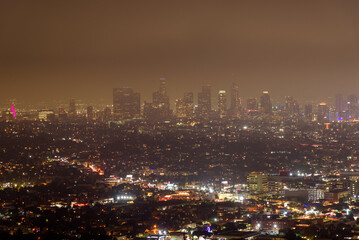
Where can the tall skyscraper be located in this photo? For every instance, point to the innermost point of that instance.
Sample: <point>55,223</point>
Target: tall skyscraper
<point>266,104</point>
<point>341,112</point>
<point>161,101</point>
<point>323,112</point>
<point>204,102</point>
<point>339,103</point>
<point>235,108</point>
<point>188,99</point>
<point>126,104</point>
<point>308,112</point>
<point>184,106</point>
<point>72,108</point>
<point>252,104</point>
<point>353,106</point>
<point>222,103</point>
<point>291,105</point>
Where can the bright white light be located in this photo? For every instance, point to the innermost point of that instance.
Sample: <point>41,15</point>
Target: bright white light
<point>245,127</point>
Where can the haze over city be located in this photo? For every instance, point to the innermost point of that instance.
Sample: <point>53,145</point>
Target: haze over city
<point>83,49</point>
<point>179,120</point>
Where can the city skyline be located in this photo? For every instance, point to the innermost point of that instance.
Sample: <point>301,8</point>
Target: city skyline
<point>127,106</point>
<point>239,97</point>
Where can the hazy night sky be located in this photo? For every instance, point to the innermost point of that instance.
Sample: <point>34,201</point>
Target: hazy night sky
<point>82,49</point>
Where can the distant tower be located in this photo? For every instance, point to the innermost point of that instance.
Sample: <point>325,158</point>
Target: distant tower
<point>341,108</point>
<point>308,112</point>
<point>266,104</point>
<point>188,100</point>
<point>72,109</point>
<point>161,100</point>
<point>126,104</point>
<point>323,112</point>
<point>235,101</point>
<point>222,103</point>
<point>163,84</point>
<point>291,105</point>
<point>339,103</point>
<point>204,102</point>
<point>252,104</point>
<point>184,106</point>
<point>353,107</point>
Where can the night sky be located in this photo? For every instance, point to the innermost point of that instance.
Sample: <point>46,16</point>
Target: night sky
<point>82,49</point>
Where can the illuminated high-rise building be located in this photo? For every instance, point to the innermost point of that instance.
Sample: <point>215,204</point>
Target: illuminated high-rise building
<point>266,104</point>
<point>180,108</point>
<point>252,104</point>
<point>161,101</point>
<point>308,112</point>
<point>235,107</point>
<point>341,112</point>
<point>323,112</point>
<point>339,103</point>
<point>72,108</point>
<point>126,104</point>
<point>184,106</point>
<point>353,106</point>
<point>204,102</point>
<point>291,105</point>
<point>222,103</point>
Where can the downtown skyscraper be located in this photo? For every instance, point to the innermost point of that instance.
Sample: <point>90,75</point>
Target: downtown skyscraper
<point>266,104</point>
<point>222,103</point>
<point>126,104</point>
<point>159,109</point>
<point>184,106</point>
<point>204,102</point>
<point>235,108</point>
<point>72,108</point>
